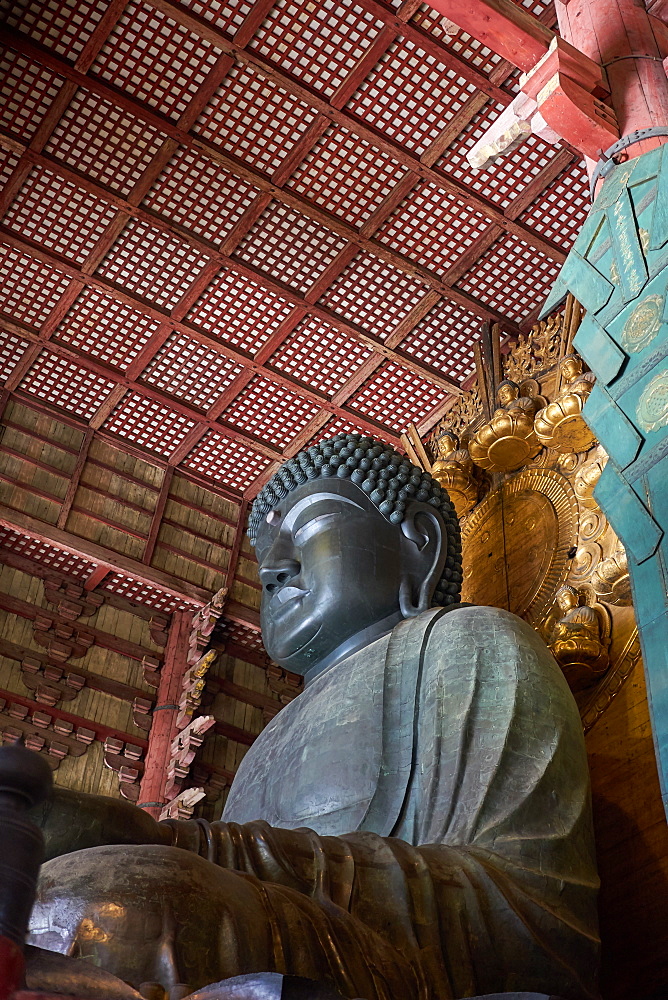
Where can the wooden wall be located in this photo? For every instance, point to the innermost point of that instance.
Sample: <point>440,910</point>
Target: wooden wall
<point>632,848</point>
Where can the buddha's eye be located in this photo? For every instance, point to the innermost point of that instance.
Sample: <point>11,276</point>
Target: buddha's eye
<point>309,528</point>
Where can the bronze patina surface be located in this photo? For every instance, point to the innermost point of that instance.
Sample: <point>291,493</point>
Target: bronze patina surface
<point>414,825</point>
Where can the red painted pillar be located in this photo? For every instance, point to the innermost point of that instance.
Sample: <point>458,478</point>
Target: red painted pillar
<point>618,34</point>
<point>163,729</point>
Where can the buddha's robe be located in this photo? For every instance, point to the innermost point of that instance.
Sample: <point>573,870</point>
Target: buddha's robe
<point>456,735</point>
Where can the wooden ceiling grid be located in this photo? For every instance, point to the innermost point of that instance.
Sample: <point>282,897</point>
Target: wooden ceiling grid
<point>230,228</point>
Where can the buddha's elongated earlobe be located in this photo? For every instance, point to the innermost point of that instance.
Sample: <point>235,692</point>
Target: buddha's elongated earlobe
<point>424,554</point>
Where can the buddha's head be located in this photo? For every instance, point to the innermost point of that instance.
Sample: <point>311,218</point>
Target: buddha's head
<point>350,538</point>
<point>507,392</point>
<point>567,598</point>
<point>446,444</point>
<point>571,368</point>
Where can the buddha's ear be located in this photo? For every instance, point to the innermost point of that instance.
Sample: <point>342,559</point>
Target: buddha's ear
<point>425,552</point>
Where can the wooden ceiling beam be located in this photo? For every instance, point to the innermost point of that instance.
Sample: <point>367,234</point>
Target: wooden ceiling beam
<point>82,548</point>
<point>350,122</point>
<point>503,26</point>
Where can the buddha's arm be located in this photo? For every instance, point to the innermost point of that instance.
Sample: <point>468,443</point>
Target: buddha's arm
<point>71,821</point>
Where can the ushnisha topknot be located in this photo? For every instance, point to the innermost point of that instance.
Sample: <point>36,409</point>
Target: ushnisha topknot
<point>388,479</point>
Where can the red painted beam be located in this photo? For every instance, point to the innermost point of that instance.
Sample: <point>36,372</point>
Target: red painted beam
<point>501,25</point>
<point>163,729</point>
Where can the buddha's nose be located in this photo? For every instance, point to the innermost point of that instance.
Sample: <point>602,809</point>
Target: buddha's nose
<point>279,572</point>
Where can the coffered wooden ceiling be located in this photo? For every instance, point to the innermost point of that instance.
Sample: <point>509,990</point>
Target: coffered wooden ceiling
<point>228,228</point>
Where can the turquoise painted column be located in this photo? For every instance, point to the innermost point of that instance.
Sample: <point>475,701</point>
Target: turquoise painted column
<point>618,270</point>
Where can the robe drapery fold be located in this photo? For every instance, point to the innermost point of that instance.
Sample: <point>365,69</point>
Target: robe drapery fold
<point>453,751</point>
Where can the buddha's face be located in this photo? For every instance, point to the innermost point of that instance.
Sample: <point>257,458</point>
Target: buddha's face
<point>567,599</point>
<point>571,368</point>
<point>507,393</point>
<point>331,566</point>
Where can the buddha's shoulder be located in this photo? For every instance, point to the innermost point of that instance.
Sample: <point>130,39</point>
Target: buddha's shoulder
<point>478,627</point>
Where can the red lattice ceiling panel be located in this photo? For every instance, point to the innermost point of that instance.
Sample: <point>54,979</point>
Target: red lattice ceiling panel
<point>156,60</point>
<point>142,593</point>
<point>239,311</point>
<point>8,163</point>
<point>320,356</point>
<point>511,277</point>
<point>321,43</point>
<point>509,175</point>
<point>537,7</point>
<point>346,175</point>
<point>289,247</point>
<point>444,339</point>
<point>225,15</point>
<point>269,412</point>
<point>107,329</point>
<point>59,215</point>
<point>242,636</point>
<point>254,119</point>
<point>410,96</point>
<point>373,294</point>
<point>462,44</point>
<point>27,91</point>
<point>104,142</point>
<point>226,461</point>
<point>190,371</point>
<point>45,554</point>
<point>149,424</point>
<point>337,425</point>
<point>559,213</point>
<point>396,397</point>
<point>433,227</point>
<point>12,349</point>
<point>62,25</point>
<point>152,264</point>
<point>200,195</point>
<point>64,384</point>
<point>29,290</point>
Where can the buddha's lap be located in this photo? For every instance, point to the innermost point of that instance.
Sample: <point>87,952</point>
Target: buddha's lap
<point>153,913</point>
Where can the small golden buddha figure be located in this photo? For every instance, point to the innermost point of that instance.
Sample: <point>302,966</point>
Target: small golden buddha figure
<point>610,580</point>
<point>560,425</point>
<point>508,441</point>
<point>456,473</point>
<point>580,639</point>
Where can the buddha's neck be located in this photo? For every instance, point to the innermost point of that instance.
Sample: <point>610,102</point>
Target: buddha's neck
<point>353,644</point>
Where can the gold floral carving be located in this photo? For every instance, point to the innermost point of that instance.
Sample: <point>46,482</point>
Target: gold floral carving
<point>536,350</point>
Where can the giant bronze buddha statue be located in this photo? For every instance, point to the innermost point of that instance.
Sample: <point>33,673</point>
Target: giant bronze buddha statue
<point>414,826</point>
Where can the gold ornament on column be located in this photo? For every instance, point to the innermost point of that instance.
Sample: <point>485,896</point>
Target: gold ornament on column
<point>560,425</point>
<point>580,638</point>
<point>456,473</point>
<point>508,441</point>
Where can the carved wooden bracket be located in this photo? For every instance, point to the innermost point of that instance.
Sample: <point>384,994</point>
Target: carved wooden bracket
<point>562,97</point>
<point>151,669</point>
<point>125,759</point>
<point>159,629</point>
<point>61,640</point>
<point>50,683</point>
<point>183,750</point>
<point>71,600</point>
<point>141,713</point>
<point>183,805</point>
<point>283,683</point>
<point>39,731</point>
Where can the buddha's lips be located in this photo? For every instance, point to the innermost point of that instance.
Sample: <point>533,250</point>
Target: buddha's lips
<point>286,594</point>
